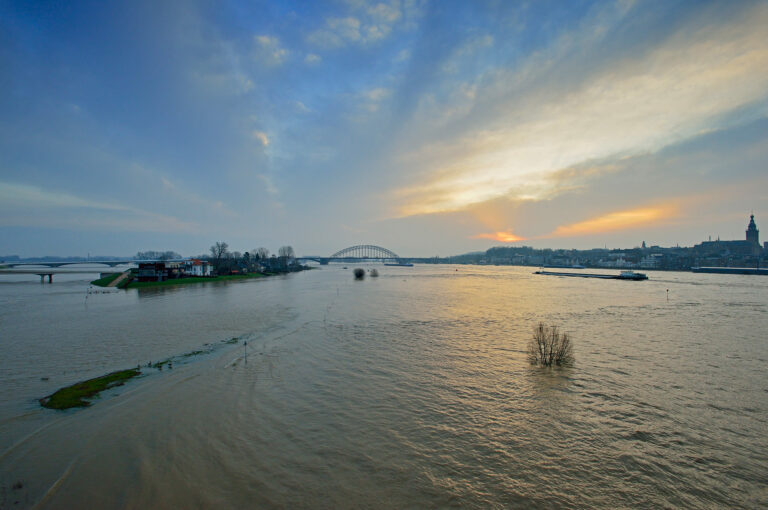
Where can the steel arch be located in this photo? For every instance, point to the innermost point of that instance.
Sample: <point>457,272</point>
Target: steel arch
<point>365,251</point>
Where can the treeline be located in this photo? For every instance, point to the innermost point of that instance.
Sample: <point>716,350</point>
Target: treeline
<point>157,255</point>
<point>258,259</point>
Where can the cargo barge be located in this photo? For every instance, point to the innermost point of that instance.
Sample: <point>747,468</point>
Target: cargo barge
<point>624,275</point>
<point>730,270</point>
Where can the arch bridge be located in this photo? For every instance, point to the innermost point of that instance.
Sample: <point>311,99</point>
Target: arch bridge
<point>360,252</point>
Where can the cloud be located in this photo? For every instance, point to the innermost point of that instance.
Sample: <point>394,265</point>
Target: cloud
<point>301,107</point>
<point>261,137</point>
<point>640,103</point>
<point>366,23</point>
<point>312,58</point>
<point>619,220</point>
<point>269,51</point>
<point>502,237</point>
<point>269,184</point>
<point>30,206</point>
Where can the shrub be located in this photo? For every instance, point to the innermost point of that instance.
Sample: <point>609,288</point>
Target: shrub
<point>549,347</point>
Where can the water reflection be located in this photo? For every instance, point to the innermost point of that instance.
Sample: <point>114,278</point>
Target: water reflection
<point>411,389</point>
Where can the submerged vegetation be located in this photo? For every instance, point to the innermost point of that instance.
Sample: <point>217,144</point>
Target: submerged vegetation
<point>73,396</point>
<point>76,394</point>
<point>359,273</point>
<point>548,347</point>
<point>103,282</point>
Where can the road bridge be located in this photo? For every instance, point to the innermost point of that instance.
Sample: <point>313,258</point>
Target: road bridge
<point>42,272</point>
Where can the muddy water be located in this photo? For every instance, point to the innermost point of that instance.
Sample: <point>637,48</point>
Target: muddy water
<point>407,390</point>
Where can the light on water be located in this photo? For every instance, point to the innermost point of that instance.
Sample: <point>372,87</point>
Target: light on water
<point>412,389</point>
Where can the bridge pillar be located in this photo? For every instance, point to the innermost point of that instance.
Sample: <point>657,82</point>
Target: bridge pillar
<point>50,277</point>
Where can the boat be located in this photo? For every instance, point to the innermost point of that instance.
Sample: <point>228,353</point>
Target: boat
<point>730,270</point>
<point>403,264</point>
<point>631,275</point>
<point>624,275</point>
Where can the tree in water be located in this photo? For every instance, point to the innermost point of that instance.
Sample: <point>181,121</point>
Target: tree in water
<point>549,347</point>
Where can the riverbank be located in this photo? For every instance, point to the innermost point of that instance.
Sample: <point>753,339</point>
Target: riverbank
<point>197,279</point>
<point>104,282</point>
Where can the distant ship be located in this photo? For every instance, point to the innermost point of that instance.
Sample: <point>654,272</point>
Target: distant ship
<point>399,264</point>
<point>624,275</point>
<point>730,270</point>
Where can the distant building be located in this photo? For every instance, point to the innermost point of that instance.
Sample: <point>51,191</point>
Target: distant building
<point>152,272</point>
<point>750,246</point>
<point>197,267</point>
<point>753,235</point>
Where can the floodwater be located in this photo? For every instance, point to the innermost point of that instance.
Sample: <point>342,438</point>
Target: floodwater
<point>410,390</point>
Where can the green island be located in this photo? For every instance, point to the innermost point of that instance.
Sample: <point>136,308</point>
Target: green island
<point>73,396</point>
<point>162,269</point>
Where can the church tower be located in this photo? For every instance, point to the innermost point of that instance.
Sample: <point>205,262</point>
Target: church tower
<point>753,235</point>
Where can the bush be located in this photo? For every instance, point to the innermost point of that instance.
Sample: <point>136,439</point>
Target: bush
<point>549,347</point>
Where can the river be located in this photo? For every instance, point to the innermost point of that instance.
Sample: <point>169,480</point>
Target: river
<point>410,390</point>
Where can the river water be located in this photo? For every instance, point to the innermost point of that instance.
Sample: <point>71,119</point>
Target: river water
<point>410,390</point>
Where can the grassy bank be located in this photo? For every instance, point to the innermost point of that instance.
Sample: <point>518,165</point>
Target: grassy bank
<point>196,279</point>
<point>103,282</point>
<point>73,396</point>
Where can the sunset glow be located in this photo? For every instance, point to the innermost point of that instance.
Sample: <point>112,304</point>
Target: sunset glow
<point>502,237</point>
<point>619,220</point>
<point>420,125</point>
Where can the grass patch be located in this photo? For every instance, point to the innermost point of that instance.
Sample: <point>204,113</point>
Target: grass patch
<point>197,279</point>
<point>73,396</point>
<point>231,341</point>
<point>103,282</point>
<point>193,353</point>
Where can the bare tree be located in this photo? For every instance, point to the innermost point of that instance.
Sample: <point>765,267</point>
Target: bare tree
<point>263,253</point>
<point>549,347</point>
<point>286,251</point>
<point>218,252</point>
<point>219,249</point>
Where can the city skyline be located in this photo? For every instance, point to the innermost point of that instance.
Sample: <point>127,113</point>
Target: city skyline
<point>428,128</point>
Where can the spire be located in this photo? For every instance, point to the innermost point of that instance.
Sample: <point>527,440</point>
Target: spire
<point>753,235</point>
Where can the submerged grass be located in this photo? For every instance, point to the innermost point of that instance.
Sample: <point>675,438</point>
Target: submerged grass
<point>76,394</point>
<point>103,282</point>
<point>73,396</point>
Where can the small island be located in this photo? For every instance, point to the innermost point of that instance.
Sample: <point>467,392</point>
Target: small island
<point>156,269</point>
<point>75,395</point>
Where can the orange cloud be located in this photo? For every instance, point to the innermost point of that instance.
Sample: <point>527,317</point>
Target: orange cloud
<point>503,237</point>
<point>619,220</point>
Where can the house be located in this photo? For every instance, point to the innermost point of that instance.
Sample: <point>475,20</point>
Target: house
<point>196,267</point>
<point>152,272</point>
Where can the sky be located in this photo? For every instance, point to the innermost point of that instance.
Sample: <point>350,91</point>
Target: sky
<point>428,128</point>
